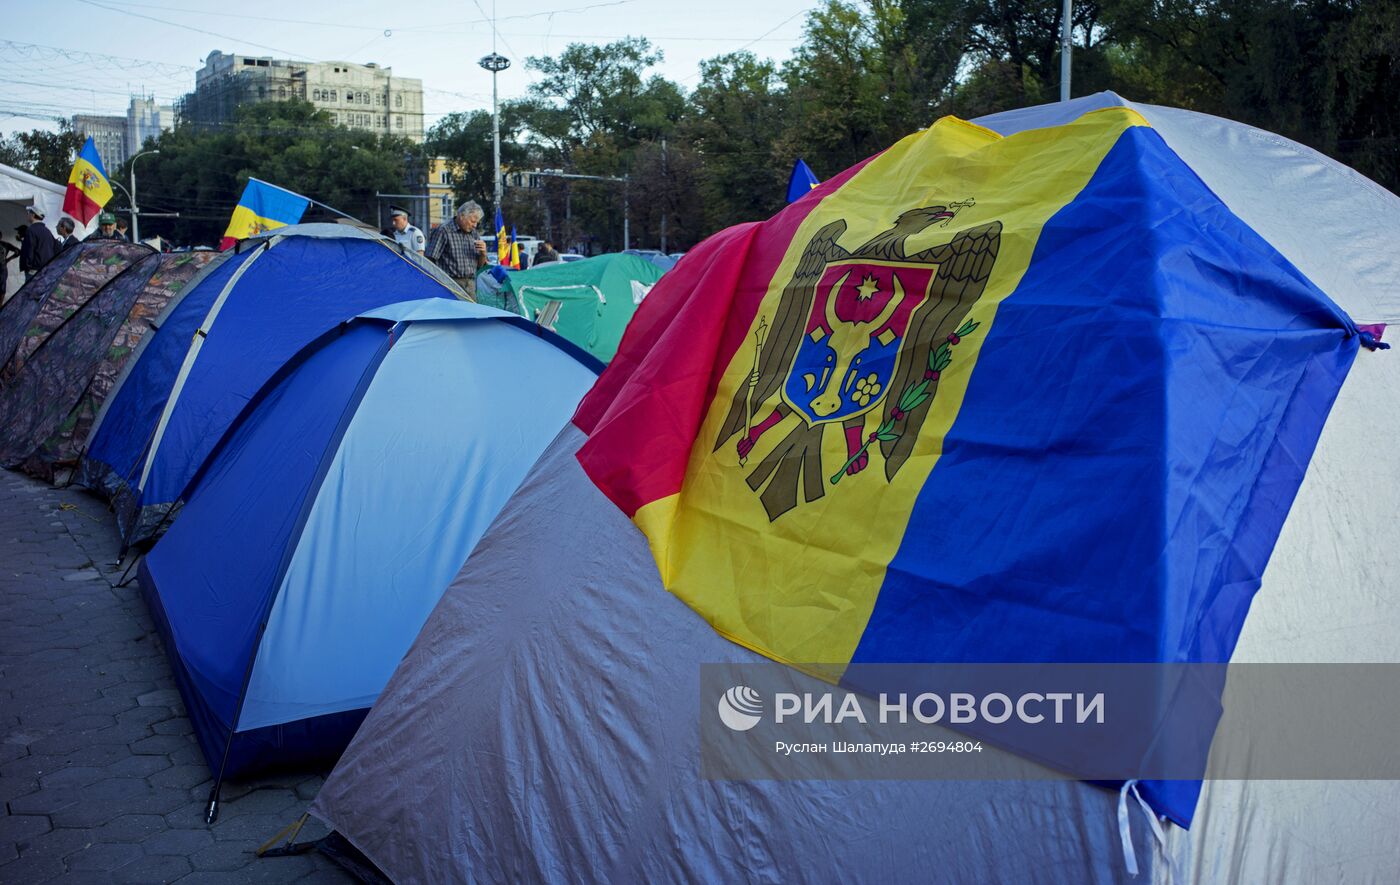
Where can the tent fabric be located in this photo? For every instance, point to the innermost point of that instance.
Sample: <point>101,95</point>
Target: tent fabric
<point>56,291</point>
<point>118,441</point>
<point>1325,599</point>
<point>544,728</point>
<point>526,653</point>
<point>1168,370</point>
<point>323,530</point>
<point>457,775</point>
<point>599,296</point>
<point>221,342</point>
<point>1348,243</point>
<point>48,408</point>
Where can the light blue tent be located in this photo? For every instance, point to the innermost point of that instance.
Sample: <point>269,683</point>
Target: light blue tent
<point>211,350</point>
<point>325,526</point>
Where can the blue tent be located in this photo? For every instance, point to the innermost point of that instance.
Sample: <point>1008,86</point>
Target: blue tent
<point>221,341</point>
<point>325,525</point>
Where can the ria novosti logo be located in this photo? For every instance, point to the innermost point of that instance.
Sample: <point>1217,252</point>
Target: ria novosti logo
<point>740,708</point>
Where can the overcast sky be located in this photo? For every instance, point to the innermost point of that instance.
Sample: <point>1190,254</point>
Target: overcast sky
<point>156,45</point>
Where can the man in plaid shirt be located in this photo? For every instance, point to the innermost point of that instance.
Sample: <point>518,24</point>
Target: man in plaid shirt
<point>458,249</point>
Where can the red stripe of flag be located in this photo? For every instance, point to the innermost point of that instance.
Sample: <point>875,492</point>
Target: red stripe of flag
<point>79,205</point>
<point>644,412</point>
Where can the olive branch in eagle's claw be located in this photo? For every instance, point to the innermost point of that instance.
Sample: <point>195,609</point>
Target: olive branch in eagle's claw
<point>913,396</point>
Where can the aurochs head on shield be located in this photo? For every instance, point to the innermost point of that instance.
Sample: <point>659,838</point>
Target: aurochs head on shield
<point>859,338</point>
<point>845,361</point>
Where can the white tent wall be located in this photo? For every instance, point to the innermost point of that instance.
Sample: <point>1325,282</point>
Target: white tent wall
<point>18,190</point>
<point>1338,227</point>
<point>1328,596</point>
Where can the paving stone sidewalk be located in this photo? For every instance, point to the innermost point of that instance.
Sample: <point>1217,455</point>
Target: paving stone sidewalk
<point>100,775</point>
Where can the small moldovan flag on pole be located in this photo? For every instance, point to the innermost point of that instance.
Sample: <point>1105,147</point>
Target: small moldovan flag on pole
<point>514,249</point>
<point>88,188</point>
<point>502,242</point>
<point>802,180</point>
<point>263,207</point>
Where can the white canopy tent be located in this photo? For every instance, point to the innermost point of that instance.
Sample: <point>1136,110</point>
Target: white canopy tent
<point>19,189</point>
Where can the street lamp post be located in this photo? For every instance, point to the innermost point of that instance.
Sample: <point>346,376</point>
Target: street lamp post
<point>135,212</point>
<point>495,63</point>
<point>1066,46</point>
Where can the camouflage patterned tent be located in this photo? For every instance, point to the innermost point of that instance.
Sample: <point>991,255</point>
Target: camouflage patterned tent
<point>48,406</point>
<point>60,287</point>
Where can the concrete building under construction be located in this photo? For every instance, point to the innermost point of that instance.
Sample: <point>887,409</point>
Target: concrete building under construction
<point>365,97</point>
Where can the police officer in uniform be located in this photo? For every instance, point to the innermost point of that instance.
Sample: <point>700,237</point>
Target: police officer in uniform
<point>405,234</point>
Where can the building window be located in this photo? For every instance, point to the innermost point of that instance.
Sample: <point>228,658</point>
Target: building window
<point>335,118</point>
<point>315,95</point>
<point>445,176</point>
<point>378,99</point>
<point>398,100</point>
<point>398,122</point>
<point>334,93</point>
<point>262,92</point>
<point>281,92</point>
<point>447,207</point>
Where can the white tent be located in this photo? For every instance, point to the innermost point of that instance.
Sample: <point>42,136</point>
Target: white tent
<point>544,727</point>
<point>19,189</point>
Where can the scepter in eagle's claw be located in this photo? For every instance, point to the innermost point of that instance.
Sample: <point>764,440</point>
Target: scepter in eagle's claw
<point>759,335</point>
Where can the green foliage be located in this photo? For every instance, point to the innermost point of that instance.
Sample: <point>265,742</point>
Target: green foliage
<point>735,115</point>
<point>866,74</point>
<point>200,171</point>
<point>465,139</point>
<point>46,154</point>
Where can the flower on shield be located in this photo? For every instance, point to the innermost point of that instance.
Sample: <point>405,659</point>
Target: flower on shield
<point>867,388</point>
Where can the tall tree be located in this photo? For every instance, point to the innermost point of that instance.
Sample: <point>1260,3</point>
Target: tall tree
<point>465,139</point>
<point>736,115</point>
<point>200,171</point>
<point>43,153</point>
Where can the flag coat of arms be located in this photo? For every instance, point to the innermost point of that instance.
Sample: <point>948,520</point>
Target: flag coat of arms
<point>1040,397</point>
<point>88,187</point>
<point>263,207</point>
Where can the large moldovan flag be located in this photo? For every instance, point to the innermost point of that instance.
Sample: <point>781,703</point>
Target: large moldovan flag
<point>1033,398</point>
<point>88,188</point>
<point>263,207</point>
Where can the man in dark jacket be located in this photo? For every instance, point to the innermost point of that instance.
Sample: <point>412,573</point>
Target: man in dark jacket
<point>106,228</point>
<point>65,230</point>
<point>39,245</point>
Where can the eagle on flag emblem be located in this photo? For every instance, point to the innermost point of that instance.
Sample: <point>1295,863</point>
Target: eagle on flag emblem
<point>859,339</point>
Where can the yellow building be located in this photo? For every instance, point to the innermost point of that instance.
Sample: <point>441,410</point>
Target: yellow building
<point>440,199</point>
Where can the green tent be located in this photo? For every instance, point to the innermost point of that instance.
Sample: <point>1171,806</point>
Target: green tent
<point>595,298</point>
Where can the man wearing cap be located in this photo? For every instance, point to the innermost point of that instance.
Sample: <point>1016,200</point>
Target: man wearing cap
<point>405,234</point>
<point>106,228</point>
<point>121,230</point>
<point>39,245</point>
